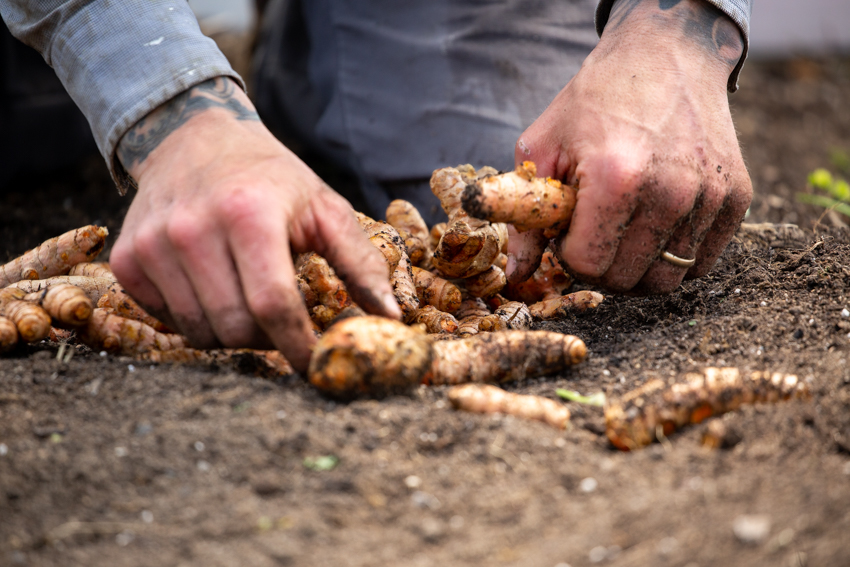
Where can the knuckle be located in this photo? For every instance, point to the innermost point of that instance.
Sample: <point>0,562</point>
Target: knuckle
<point>239,206</point>
<point>184,230</point>
<point>273,303</point>
<point>146,243</point>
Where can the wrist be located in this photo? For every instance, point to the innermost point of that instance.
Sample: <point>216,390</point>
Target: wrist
<point>690,36</point>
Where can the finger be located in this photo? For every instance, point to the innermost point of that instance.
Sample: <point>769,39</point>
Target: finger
<point>665,202</point>
<point>160,265</point>
<point>663,276</point>
<point>610,189</point>
<point>342,242</point>
<point>724,227</point>
<point>136,283</point>
<point>524,252</point>
<point>264,263</point>
<point>206,260</point>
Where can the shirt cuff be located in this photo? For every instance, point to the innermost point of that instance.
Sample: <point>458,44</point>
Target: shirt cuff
<point>739,11</point>
<point>126,60</point>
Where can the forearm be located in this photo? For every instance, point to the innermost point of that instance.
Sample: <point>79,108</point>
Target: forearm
<point>721,27</point>
<point>118,60</point>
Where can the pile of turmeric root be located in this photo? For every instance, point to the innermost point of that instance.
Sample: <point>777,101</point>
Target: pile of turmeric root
<point>463,322</point>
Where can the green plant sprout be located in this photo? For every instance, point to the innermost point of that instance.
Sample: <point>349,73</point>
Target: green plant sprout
<point>837,190</point>
<point>597,399</point>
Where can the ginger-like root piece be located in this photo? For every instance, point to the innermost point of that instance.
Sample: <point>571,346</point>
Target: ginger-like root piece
<point>403,215</point>
<point>436,233</point>
<point>93,270</point>
<point>483,398</point>
<point>469,246</point>
<point>521,199</point>
<point>67,305</point>
<point>113,333</point>
<point>515,314</point>
<point>434,290</point>
<point>383,237</point>
<point>372,354</point>
<point>636,419</point>
<point>435,321</point>
<point>125,306</point>
<point>486,284</point>
<point>8,334</point>
<point>560,306</point>
<point>58,335</point>
<point>95,288</point>
<point>32,322</point>
<point>417,250</point>
<point>331,297</point>
<point>547,282</point>
<point>55,256</point>
<point>473,317</point>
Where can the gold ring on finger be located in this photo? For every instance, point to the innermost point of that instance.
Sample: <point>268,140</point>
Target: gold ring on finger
<point>676,261</point>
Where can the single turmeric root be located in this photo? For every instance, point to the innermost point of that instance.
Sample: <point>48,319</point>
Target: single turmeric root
<point>521,199</point>
<point>515,314</point>
<point>486,284</point>
<point>435,321</point>
<point>434,290</point>
<point>67,305</point>
<point>403,215</point>
<point>93,270</point>
<point>372,354</point>
<point>8,334</point>
<point>636,419</point>
<point>469,246</point>
<point>483,398</point>
<point>95,288</point>
<point>55,256</point>
<point>32,322</point>
<point>560,306</point>
<point>326,292</point>
<point>116,334</point>
<point>125,306</point>
<point>474,317</point>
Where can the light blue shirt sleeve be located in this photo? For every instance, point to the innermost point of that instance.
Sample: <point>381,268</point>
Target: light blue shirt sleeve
<point>118,59</point>
<point>740,11</point>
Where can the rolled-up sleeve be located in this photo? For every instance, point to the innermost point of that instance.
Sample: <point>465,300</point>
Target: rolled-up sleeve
<point>118,59</point>
<point>740,11</point>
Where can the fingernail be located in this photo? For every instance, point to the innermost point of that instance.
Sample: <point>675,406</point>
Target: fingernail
<point>391,306</point>
<point>523,147</point>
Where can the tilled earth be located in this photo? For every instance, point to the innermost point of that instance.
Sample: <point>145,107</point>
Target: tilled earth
<point>108,461</point>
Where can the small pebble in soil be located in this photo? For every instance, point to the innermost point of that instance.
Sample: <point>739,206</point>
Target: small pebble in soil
<point>121,452</point>
<point>131,368</point>
<point>422,499</point>
<point>737,291</point>
<point>413,481</point>
<point>763,304</point>
<point>103,354</point>
<point>281,415</point>
<point>751,529</point>
<point>588,485</point>
<point>125,538</point>
<point>203,466</point>
<point>845,312</point>
<point>147,516</point>
<point>4,450</point>
<point>199,446</point>
<point>606,372</point>
<point>560,442</point>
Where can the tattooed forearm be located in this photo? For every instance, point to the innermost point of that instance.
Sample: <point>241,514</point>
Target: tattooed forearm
<point>150,131</point>
<point>698,20</point>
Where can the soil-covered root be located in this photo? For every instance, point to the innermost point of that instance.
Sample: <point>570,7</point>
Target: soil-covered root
<point>547,282</point>
<point>641,416</point>
<point>95,288</point>
<point>31,320</point>
<point>93,270</point>
<point>417,250</point>
<point>121,302</point>
<point>8,334</point>
<point>559,306</point>
<point>486,284</point>
<point>326,295</point>
<point>468,246</point>
<point>116,334</point>
<point>67,305</point>
<point>56,256</point>
<point>515,314</point>
<point>474,317</point>
<point>383,237</point>
<point>484,398</point>
<point>434,290</point>
<point>521,199</point>
<point>403,215</point>
<point>434,320</point>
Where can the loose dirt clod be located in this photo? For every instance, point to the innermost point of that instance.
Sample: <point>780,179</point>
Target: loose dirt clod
<point>641,416</point>
<point>483,398</point>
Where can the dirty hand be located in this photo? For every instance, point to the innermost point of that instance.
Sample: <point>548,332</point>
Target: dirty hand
<point>208,241</point>
<point>644,131</point>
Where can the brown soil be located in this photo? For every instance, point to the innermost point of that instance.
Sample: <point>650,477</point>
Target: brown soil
<point>107,461</point>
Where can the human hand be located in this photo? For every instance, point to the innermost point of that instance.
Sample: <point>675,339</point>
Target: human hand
<point>207,243</point>
<point>645,132</point>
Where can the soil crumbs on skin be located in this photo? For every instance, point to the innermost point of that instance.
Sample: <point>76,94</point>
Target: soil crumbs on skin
<point>109,461</point>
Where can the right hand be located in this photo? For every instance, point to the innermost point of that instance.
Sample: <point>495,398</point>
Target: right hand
<point>207,243</point>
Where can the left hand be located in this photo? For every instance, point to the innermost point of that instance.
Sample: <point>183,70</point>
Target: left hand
<point>645,132</point>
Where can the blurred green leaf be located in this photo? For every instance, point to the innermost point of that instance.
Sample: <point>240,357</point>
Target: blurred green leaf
<point>820,179</point>
<point>840,159</point>
<point>597,399</point>
<point>825,202</point>
<point>323,463</point>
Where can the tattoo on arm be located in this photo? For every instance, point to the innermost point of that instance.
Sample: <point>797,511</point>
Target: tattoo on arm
<point>700,21</point>
<point>146,135</point>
